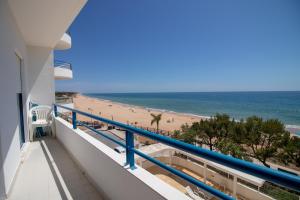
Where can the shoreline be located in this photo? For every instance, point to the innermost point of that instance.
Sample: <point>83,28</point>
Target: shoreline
<point>292,128</point>
<point>149,108</point>
<point>138,116</point>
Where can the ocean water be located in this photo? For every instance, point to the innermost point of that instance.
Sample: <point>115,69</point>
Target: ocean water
<point>284,106</point>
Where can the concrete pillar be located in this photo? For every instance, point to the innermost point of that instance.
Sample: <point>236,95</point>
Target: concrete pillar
<point>234,185</point>
<point>171,157</point>
<point>141,163</point>
<point>205,173</point>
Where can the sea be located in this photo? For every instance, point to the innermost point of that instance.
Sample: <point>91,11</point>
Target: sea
<point>284,106</point>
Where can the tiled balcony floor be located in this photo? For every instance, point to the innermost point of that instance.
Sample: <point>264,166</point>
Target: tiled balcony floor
<point>48,172</point>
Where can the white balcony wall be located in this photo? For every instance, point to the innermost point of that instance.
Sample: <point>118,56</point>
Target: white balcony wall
<point>35,71</point>
<point>105,168</point>
<point>61,73</point>
<point>64,43</point>
<point>11,42</point>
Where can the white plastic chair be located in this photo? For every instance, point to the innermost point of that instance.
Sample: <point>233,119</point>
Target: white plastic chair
<point>43,118</point>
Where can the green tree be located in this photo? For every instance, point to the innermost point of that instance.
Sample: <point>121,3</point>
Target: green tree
<point>264,138</point>
<point>222,125</point>
<point>156,119</point>
<point>291,152</point>
<point>205,133</point>
<point>253,138</point>
<point>233,143</point>
<point>188,134</point>
<point>237,132</point>
<point>209,132</point>
<point>176,134</point>
<point>229,147</point>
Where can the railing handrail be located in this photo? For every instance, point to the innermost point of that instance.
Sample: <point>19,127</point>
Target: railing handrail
<point>62,64</point>
<point>272,175</point>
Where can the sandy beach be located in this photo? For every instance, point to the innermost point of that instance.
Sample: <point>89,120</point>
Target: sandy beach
<point>129,114</point>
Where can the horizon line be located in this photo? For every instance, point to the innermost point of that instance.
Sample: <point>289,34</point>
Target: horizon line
<point>238,91</point>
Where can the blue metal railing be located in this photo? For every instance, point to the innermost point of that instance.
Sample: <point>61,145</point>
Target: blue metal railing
<point>62,64</point>
<point>274,176</point>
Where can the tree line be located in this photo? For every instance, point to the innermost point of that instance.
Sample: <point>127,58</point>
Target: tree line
<point>252,138</point>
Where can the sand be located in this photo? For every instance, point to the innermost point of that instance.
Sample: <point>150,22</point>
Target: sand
<point>133,115</point>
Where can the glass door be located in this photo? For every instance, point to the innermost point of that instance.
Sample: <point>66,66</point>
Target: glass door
<point>21,118</point>
<point>20,103</point>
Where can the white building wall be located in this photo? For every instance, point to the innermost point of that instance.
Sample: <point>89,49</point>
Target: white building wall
<point>38,85</point>
<point>11,42</point>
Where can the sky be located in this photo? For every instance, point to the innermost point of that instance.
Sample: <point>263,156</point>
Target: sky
<point>184,46</point>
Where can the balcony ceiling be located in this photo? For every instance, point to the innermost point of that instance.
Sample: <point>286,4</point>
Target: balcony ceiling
<point>43,22</point>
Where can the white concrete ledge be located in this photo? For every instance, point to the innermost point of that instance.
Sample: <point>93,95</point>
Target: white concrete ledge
<point>65,42</point>
<point>61,73</point>
<point>105,168</point>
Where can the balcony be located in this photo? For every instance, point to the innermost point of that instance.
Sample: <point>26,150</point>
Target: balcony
<point>79,157</point>
<point>75,165</point>
<point>62,70</point>
<point>64,43</point>
<point>48,172</point>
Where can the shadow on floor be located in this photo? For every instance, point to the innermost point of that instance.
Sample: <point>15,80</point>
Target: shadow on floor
<point>69,179</point>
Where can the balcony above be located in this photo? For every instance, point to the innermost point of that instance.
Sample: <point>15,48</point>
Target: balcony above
<point>65,42</point>
<point>42,23</point>
<point>62,70</point>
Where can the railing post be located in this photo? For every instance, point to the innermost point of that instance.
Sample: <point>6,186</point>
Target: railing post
<point>55,110</point>
<point>74,120</point>
<point>129,147</point>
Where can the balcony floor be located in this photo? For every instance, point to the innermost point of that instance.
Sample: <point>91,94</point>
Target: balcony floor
<point>48,172</point>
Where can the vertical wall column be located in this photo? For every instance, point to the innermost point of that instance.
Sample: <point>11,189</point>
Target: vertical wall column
<point>40,76</point>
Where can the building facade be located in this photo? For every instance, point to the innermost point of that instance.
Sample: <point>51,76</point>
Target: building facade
<point>30,32</point>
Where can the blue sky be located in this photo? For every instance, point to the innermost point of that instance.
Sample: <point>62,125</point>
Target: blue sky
<point>184,45</point>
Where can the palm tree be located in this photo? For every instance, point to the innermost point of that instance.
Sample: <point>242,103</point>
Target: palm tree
<point>156,119</point>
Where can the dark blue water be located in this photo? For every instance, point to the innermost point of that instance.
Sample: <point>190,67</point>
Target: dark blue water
<point>281,105</point>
